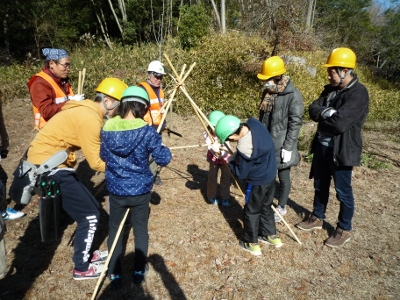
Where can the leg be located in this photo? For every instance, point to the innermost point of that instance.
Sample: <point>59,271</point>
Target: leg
<point>140,220</point>
<point>267,220</point>
<point>225,182</point>
<point>255,209</point>
<point>344,193</point>
<point>80,204</point>
<point>285,185</point>
<point>117,212</point>
<point>322,160</point>
<point>212,181</point>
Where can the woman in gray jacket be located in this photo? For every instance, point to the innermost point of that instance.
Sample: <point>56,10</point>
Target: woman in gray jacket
<point>281,111</point>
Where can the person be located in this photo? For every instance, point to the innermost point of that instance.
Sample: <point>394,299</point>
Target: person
<point>50,88</point>
<point>77,126</point>
<point>153,87</point>
<point>255,164</point>
<point>7,213</point>
<point>217,161</point>
<point>340,112</point>
<point>127,141</point>
<point>281,111</point>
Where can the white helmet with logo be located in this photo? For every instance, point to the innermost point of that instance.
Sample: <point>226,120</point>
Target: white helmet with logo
<point>156,66</point>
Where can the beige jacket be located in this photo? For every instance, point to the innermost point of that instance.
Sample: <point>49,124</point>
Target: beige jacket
<point>76,126</point>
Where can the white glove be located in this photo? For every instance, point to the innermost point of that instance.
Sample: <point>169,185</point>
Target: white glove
<point>216,147</point>
<point>328,112</point>
<point>78,97</point>
<point>286,155</point>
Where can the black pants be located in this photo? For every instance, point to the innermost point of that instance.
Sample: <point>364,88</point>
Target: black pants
<point>81,205</point>
<point>139,213</point>
<point>258,216</point>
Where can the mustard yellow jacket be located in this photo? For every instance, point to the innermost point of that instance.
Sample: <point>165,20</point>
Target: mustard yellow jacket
<point>76,126</point>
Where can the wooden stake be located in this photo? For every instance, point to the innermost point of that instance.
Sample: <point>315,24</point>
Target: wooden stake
<point>83,79</point>
<point>287,225</point>
<point>79,82</point>
<point>110,253</point>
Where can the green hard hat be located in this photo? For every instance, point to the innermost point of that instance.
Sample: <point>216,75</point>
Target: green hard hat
<point>135,93</point>
<point>226,126</point>
<point>214,117</point>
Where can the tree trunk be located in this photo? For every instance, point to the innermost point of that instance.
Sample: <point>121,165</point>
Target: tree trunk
<point>310,14</point>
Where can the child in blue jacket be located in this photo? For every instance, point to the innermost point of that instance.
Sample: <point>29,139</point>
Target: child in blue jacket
<point>255,164</point>
<point>127,142</point>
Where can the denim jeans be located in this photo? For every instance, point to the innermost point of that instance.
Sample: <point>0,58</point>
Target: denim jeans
<point>324,169</point>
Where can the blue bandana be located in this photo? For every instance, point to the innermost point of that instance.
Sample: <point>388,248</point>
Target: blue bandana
<point>54,54</point>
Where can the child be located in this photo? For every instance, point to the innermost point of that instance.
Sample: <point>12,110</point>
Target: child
<point>254,163</point>
<point>126,144</point>
<point>217,160</point>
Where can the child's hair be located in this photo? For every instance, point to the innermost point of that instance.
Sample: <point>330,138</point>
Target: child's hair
<point>239,129</point>
<point>138,109</point>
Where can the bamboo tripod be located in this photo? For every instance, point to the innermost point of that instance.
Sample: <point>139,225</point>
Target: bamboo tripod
<point>203,119</point>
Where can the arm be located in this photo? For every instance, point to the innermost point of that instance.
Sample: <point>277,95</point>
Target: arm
<point>42,96</point>
<point>295,121</point>
<point>160,153</point>
<point>350,107</point>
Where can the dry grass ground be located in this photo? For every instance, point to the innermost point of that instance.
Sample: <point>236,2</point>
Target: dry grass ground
<point>194,252</point>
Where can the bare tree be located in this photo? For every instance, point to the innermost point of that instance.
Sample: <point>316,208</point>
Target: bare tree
<point>221,19</point>
<point>102,24</point>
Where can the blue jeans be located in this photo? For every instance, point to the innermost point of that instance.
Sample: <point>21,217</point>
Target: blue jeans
<point>323,169</point>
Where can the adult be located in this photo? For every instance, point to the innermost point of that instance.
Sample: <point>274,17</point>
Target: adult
<point>50,88</point>
<point>77,126</point>
<point>281,111</point>
<point>340,112</point>
<point>153,87</point>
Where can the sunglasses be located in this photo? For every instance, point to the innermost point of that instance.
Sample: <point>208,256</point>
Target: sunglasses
<point>158,76</point>
<point>66,66</point>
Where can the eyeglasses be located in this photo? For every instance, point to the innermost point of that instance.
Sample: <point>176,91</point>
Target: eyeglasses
<point>66,66</point>
<point>158,76</point>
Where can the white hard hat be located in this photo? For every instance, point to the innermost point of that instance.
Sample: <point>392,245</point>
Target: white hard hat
<point>156,66</point>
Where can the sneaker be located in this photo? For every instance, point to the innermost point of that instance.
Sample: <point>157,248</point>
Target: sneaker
<point>282,211</point>
<point>273,240</point>
<point>253,248</point>
<point>12,214</point>
<point>311,223</point>
<point>116,282</point>
<point>99,256</point>
<point>92,272</point>
<point>338,238</point>
<point>213,201</point>
<point>138,276</point>
<point>224,202</point>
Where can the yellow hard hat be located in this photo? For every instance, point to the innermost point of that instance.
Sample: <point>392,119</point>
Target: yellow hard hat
<point>271,67</point>
<point>341,57</point>
<point>112,87</point>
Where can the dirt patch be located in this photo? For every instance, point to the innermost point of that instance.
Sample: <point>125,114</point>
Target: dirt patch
<point>194,252</point>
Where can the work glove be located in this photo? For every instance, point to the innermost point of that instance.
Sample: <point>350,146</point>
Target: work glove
<point>327,113</point>
<point>216,147</point>
<point>286,155</point>
<point>78,97</point>
<point>4,153</point>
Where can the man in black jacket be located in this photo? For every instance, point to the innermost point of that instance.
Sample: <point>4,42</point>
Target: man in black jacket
<point>340,111</point>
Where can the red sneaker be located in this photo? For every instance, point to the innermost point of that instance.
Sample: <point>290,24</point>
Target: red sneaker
<point>92,272</point>
<point>99,256</point>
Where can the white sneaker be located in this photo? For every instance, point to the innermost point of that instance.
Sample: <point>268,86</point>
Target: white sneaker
<point>282,211</point>
<point>12,214</point>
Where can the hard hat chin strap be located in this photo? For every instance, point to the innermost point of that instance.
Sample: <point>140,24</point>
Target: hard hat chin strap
<point>105,105</point>
<point>339,71</point>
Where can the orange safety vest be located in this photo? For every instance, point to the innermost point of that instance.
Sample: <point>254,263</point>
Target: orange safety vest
<point>153,117</point>
<point>60,97</point>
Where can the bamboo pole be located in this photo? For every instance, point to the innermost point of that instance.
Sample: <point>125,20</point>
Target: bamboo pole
<point>79,82</point>
<point>287,225</point>
<point>190,146</point>
<point>83,79</point>
<point>110,253</point>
